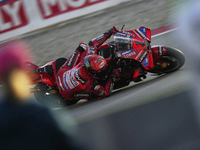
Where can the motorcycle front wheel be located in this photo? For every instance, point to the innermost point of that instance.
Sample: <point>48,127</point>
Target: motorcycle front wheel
<point>173,60</point>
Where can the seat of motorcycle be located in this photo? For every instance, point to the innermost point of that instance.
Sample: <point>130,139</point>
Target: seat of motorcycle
<point>59,63</point>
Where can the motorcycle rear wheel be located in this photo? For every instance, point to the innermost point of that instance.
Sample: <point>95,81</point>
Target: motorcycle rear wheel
<point>51,99</point>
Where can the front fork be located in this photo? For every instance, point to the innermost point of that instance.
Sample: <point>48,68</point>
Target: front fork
<point>159,51</point>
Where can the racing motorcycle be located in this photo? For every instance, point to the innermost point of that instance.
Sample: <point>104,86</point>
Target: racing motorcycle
<point>131,51</point>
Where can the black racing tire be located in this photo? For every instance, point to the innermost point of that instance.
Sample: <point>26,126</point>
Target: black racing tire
<point>177,54</point>
<point>46,98</point>
<point>174,58</point>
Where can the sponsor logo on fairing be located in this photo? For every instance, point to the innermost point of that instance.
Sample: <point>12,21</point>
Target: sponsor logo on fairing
<point>144,54</point>
<point>160,51</point>
<point>141,34</point>
<point>143,30</point>
<point>139,54</point>
<point>130,54</point>
<point>129,34</point>
<point>120,34</point>
<point>127,52</point>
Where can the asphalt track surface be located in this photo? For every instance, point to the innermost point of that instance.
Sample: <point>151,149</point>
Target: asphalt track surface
<point>152,88</point>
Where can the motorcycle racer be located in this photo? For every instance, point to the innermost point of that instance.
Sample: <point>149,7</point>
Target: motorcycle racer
<point>81,80</point>
<point>78,77</point>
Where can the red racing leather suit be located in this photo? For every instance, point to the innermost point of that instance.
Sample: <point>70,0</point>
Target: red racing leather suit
<point>74,81</point>
<point>77,82</point>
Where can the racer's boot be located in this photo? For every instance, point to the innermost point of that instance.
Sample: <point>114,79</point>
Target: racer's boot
<point>142,73</point>
<point>48,69</point>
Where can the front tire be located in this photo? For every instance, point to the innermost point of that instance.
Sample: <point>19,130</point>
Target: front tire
<point>174,60</point>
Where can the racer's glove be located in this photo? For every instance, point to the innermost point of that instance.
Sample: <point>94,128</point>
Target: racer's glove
<point>115,74</point>
<point>82,47</point>
<point>112,31</point>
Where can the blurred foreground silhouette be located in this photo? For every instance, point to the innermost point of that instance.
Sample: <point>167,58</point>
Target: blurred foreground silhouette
<point>24,125</point>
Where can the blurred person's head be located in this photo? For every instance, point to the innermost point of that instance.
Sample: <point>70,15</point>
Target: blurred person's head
<point>12,70</point>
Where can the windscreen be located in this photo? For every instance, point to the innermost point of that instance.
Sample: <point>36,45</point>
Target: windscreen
<point>122,43</point>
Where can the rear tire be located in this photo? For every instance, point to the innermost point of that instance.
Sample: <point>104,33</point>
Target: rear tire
<point>49,99</point>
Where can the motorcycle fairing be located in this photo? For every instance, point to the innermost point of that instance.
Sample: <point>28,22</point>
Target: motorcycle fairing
<point>158,51</point>
<point>138,45</point>
<point>125,53</point>
<point>147,32</point>
<point>147,63</point>
<point>30,66</point>
<point>41,77</point>
<point>139,50</point>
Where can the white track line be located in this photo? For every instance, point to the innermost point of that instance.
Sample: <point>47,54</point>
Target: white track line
<point>164,32</point>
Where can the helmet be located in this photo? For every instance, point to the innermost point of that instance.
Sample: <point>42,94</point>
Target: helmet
<point>97,66</point>
<point>123,43</point>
